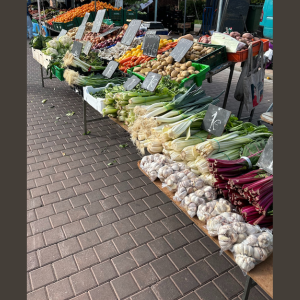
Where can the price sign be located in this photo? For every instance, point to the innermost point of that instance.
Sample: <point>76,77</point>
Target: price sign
<point>110,69</point>
<point>98,20</point>
<point>148,32</point>
<point>131,31</point>
<point>144,5</point>
<point>151,81</point>
<point>266,159</point>
<point>215,120</point>
<point>131,83</point>
<point>80,32</point>
<point>151,44</point>
<point>85,18</point>
<point>62,33</point>
<point>87,48</point>
<point>76,49</point>
<point>109,31</point>
<point>181,49</point>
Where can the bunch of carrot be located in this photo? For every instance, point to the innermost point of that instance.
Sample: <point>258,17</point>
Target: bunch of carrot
<point>133,61</point>
<point>166,48</point>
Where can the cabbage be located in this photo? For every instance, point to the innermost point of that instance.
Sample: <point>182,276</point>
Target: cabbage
<point>53,44</point>
<point>51,51</point>
<point>65,41</point>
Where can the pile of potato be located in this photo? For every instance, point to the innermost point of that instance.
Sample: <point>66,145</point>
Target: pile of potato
<point>197,51</point>
<point>72,32</point>
<point>165,65</point>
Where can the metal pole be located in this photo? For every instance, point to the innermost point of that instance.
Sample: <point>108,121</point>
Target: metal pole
<point>95,7</point>
<point>155,11</point>
<point>219,15</point>
<point>184,17</point>
<point>39,9</point>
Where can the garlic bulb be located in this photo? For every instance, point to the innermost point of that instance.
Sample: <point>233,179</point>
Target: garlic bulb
<point>251,240</point>
<point>227,236</point>
<point>246,263</point>
<point>232,217</point>
<point>252,229</point>
<point>204,210</point>
<point>214,224</point>
<point>223,206</point>
<point>243,249</point>
<point>265,240</point>
<point>260,253</point>
<point>192,209</point>
<point>210,193</point>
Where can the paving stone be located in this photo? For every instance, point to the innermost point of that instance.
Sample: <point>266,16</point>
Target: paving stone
<point>138,193</point>
<point>34,203</point>
<point>105,251</point>
<point>54,187</point>
<point>107,217</point>
<point>41,277</point>
<point>254,295</point>
<point>209,244</point>
<point>159,247</point>
<point>182,217</point>
<point>139,220</point>
<point>136,182</point>
<point>32,261</point>
<point>62,206</point>
<point>124,286</point>
<point>157,229</point>
<point>144,276</point>
<point>83,281</point>
<point>151,189</point>
<point>37,295</point>
<point>123,176</point>
<point>48,255</point>
<point>154,214</point>
<point>142,255</point>
<point>90,223</point>
<point>106,233</point>
<point>45,211</point>
<point>180,259</point>
<point>72,229</point>
<point>209,292</point>
<point>124,263</point>
<point>191,233</point>
<point>39,191</point>
<point>166,290</point>
<point>95,195</point>
<point>238,275</point>
<point>65,267</point>
<point>172,223</point>
<point>29,232</point>
<point>86,258</point>
<point>109,203</point>
<point>35,242</point>
<point>60,290</point>
<point>82,297</point>
<point>31,216</point>
<point>69,247</point>
<point>191,296</point>
<point>123,211</point>
<point>163,267</point>
<point>88,239</point>
<point>54,236</point>
<point>202,272</point>
<point>123,226</point>
<point>219,263</point>
<point>66,193</point>
<point>152,201</point>
<point>138,206</point>
<point>77,213</point>
<point>79,201</point>
<point>141,236</point>
<point>110,180</point>
<point>124,243</point>
<point>104,291</point>
<point>146,294</point>
<point>175,239</point>
<point>185,281</point>
<point>169,209</point>
<point>196,250</point>
<point>40,225</point>
<point>228,285</point>
<point>59,219</point>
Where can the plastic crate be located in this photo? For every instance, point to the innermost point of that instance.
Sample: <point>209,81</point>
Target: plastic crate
<point>240,56</point>
<point>94,15</point>
<point>90,19</point>
<point>117,17</point>
<point>58,73</point>
<point>67,26</point>
<point>187,82</point>
<point>129,15</point>
<point>215,58</point>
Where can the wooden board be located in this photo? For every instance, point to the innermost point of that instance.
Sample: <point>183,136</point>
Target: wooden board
<point>120,123</point>
<point>262,274</point>
<point>267,117</point>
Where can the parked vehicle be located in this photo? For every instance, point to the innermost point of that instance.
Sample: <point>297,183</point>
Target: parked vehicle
<point>266,20</point>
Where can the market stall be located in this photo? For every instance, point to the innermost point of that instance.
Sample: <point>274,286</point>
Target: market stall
<point>213,166</point>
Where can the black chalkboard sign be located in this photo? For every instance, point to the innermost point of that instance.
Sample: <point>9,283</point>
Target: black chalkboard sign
<point>215,120</point>
<point>76,49</point>
<point>151,81</point>
<point>98,20</point>
<point>181,49</point>
<point>130,32</point>
<point>87,48</point>
<point>131,83</point>
<point>80,32</point>
<point>62,33</point>
<point>151,44</point>
<point>109,31</point>
<point>266,159</point>
<point>110,69</point>
<point>148,32</point>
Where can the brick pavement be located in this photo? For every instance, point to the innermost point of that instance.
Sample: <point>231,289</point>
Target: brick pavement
<point>97,231</point>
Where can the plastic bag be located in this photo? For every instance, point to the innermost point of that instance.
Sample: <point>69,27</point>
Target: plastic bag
<point>173,180</point>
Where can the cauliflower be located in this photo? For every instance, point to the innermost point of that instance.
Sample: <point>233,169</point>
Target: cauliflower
<point>53,44</point>
<point>65,41</point>
<point>51,51</point>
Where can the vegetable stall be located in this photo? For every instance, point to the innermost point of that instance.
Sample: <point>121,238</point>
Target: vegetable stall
<point>210,163</point>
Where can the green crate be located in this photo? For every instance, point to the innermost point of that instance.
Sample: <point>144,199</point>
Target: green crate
<point>187,82</point>
<point>215,58</point>
<point>90,19</point>
<point>117,17</point>
<point>67,26</point>
<point>94,15</point>
<point>58,72</point>
<point>129,15</point>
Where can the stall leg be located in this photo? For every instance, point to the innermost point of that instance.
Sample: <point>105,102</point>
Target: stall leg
<point>249,284</point>
<point>42,76</point>
<point>84,117</point>
<point>251,114</point>
<point>228,85</point>
<point>240,110</point>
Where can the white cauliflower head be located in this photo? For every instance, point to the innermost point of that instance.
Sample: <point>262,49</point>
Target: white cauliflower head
<point>65,41</point>
<point>51,51</point>
<point>53,44</point>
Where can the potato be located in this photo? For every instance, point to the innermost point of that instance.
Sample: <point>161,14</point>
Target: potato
<point>164,73</point>
<point>183,60</point>
<point>167,53</point>
<point>247,36</point>
<point>193,57</point>
<point>187,57</point>
<point>169,60</point>
<point>185,74</point>
<point>191,68</point>
<point>179,79</point>
<point>173,78</point>
<point>143,71</point>
<point>154,71</point>
<point>162,56</point>
<point>177,64</point>
<point>168,72</point>
<point>174,73</point>
<point>143,65</point>
<point>183,67</point>
<point>164,63</point>
<point>209,51</point>
<point>198,48</point>
<point>191,72</point>
<point>178,69</point>
<point>159,56</point>
<point>160,67</point>
<point>146,73</point>
<point>137,69</point>
<point>188,64</point>
<point>196,72</point>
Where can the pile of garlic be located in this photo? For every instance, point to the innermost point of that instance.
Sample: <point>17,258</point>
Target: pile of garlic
<point>253,250</point>
<point>173,180</point>
<point>169,169</point>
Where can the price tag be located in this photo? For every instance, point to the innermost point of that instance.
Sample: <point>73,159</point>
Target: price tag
<point>266,159</point>
<point>87,48</point>
<point>131,83</point>
<point>110,69</point>
<point>144,5</point>
<point>148,32</point>
<point>80,32</point>
<point>76,49</point>
<point>62,33</point>
<point>109,31</point>
<point>131,31</point>
<point>151,81</point>
<point>151,44</point>
<point>85,18</point>
<point>98,20</point>
<point>181,49</point>
<point>215,120</point>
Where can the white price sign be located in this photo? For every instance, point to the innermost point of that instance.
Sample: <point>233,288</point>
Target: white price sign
<point>144,5</point>
<point>118,3</point>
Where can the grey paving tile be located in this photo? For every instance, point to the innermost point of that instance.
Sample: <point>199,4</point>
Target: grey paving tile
<point>191,233</point>
<point>37,294</point>
<point>190,296</point>
<point>219,263</point>
<point>202,272</point>
<point>86,258</point>
<point>172,223</point>
<point>163,267</point>
<point>142,255</point>
<point>106,233</point>
<point>138,206</point>
<point>107,217</point>
<point>228,285</point>
<point>196,250</point>
<point>209,244</point>
<point>144,276</point>
<point>166,290</point>
<point>60,290</point>
<point>154,214</point>
<point>123,211</point>
<point>124,263</point>
<point>59,219</point>
<point>48,255</point>
<point>175,240</point>
<point>124,243</point>
<point>185,281</point>
<point>139,220</point>
<point>146,294</point>
<point>72,229</point>
<point>54,236</point>
<point>123,226</point>
<point>124,286</point>
<point>105,251</point>
<point>83,281</point>
<point>109,203</point>
<point>32,261</point>
<point>88,239</point>
<point>209,292</point>
<point>69,247</point>
<point>152,201</point>
<point>64,267</point>
<point>90,223</point>
<point>41,277</point>
<point>104,291</point>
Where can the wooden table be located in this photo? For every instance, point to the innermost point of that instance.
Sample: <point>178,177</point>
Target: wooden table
<point>262,274</point>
